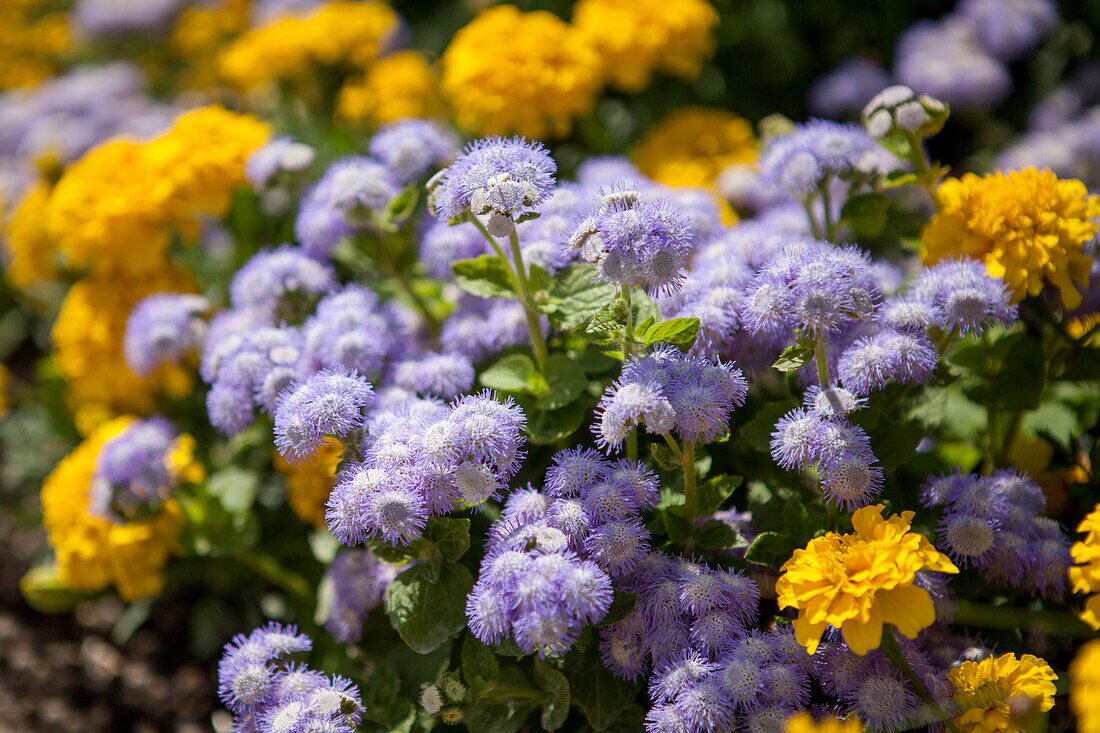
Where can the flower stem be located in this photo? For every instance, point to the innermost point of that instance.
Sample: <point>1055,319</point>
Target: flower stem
<point>826,203</point>
<point>542,354</point>
<point>969,613</point>
<point>822,362</point>
<point>293,584</point>
<point>689,483</point>
<point>815,228</point>
<point>893,652</point>
<point>628,335</point>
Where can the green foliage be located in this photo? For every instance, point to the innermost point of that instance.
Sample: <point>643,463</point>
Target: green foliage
<point>487,276</point>
<point>428,608</point>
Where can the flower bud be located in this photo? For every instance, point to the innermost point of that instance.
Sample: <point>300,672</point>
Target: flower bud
<point>898,110</point>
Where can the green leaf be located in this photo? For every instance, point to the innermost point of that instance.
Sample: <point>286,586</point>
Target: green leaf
<point>897,444</point>
<point>1055,420</point>
<point>714,491</point>
<point>715,535</point>
<point>556,710</point>
<point>235,488</point>
<point>577,296</point>
<point>621,605</point>
<point>1019,386</point>
<point>478,661</point>
<point>451,535</point>
<point>894,179</point>
<point>404,204</point>
<point>866,213</point>
<point>514,373</point>
<point>487,276</point>
<point>601,695</point>
<point>793,358</point>
<point>771,549</point>
<point>675,331</point>
<point>426,612</point>
<point>494,717</point>
<point>545,427</point>
<point>566,379</point>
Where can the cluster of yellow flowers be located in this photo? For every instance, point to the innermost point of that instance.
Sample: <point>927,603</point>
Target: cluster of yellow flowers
<point>112,214</point>
<point>340,33</point>
<point>1085,575</point>
<point>858,582</point>
<point>637,37</point>
<point>1084,691</point>
<point>693,145</point>
<point>804,723</point>
<point>92,552</point>
<point>309,482</point>
<point>32,42</point>
<point>400,85</point>
<point>1028,227</point>
<point>988,691</point>
<point>200,32</point>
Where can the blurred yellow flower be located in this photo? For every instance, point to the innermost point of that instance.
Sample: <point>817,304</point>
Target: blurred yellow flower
<point>1085,575</point>
<point>985,690</point>
<point>32,43</point>
<point>1027,226</point>
<point>309,482</point>
<point>637,37</point>
<point>1084,688</point>
<point>29,255</point>
<point>339,33</point>
<point>5,379</point>
<point>858,582</point>
<point>397,86</point>
<point>91,552</point>
<point>530,74</point>
<point>693,145</point>
<point>804,723</point>
<point>200,32</point>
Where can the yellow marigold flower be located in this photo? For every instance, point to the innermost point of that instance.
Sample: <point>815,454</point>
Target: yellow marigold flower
<point>804,723</point>
<point>1026,226</point>
<point>29,253</point>
<point>200,32</point>
<point>87,341</point>
<point>340,33</point>
<point>93,553</point>
<point>400,85</point>
<point>1085,574</point>
<point>525,73</point>
<point>309,482</point>
<point>693,145</point>
<point>984,690</point>
<point>858,582</point>
<point>1084,689</point>
<point>32,45</point>
<point>637,37</point>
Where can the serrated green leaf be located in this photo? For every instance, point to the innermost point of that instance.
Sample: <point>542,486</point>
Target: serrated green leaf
<point>403,205</point>
<point>793,358</point>
<point>450,535</point>
<point>714,491</point>
<point>771,549</point>
<point>549,426</point>
<point>865,214</point>
<point>715,535</point>
<point>487,276</point>
<point>235,488</point>
<point>478,661</point>
<point>601,695</point>
<point>675,331</point>
<point>556,710</point>
<point>514,373</point>
<point>566,379</point>
<point>621,605</point>
<point>577,295</point>
<point>426,612</point>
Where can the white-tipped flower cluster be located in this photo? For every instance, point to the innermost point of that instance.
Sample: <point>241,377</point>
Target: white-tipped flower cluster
<point>897,109</point>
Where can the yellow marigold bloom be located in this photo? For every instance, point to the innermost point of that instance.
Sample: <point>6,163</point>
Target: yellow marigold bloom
<point>31,44</point>
<point>340,33</point>
<point>985,689</point>
<point>524,73</point>
<point>28,252</point>
<point>858,582</point>
<point>87,348</point>
<point>693,145</point>
<point>400,85</point>
<point>1085,575</point>
<point>93,553</point>
<point>200,32</point>
<point>804,723</point>
<point>309,482</point>
<point>1026,226</point>
<point>637,37</point>
<point>1084,689</point>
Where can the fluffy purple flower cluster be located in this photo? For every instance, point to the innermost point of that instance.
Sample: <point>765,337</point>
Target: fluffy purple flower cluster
<point>325,404</point>
<point>995,523</point>
<point>953,295</point>
<point>803,160</point>
<point>500,179</point>
<point>635,240</point>
<point>359,580</point>
<point>846,89</point>
<point>411,147</point>
<point>550,559</point>
<point>820,433</point>
<point>442,245</point>
<point>541,238</point>
<point>112,18</point>
<point>946,59</point>
<point>481,327</point>
<point>351,330</point>
<point>131,471</point>
<point>266,691</point>
<point>277,157</point>
<point>163,329</point>
<point>668,391</point>
<point>281,285</point>
<point>424,458</point>
<point>435,375</point>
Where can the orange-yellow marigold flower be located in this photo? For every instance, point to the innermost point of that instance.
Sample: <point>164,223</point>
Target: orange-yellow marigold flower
<point>1084,576</point>
<point>28,252</point>
<point>858,582</point>
<point>1027,226</point>
<point>693,145</point>
<point>804,723</point>
<point>1084,689</point>
<point>400,85</point>
<point>984,690</point>
<point>309,482</point>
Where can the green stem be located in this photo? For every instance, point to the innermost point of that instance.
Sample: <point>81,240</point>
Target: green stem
<point>672,446</point>
<point>893,652</point>
<point>822,362</point>
<point>542,354</point>
<point>969,613</point>
<point>407,288</point>
<point>815,228</point>
<point>826,202</point>
<point>628,336</point>
<point>689,483</point>
<point>267,566</point>
<point>922,167</point>
<point>1015,420</point>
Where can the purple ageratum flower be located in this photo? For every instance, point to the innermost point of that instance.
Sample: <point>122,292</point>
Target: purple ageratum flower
<point>490,430</point>
<point>246,679</point>
<point>574,471</point>
<point>411,147</point>
<point>351,331</point>
<point>708,591</point>
<point>678,675</point>
<point>832,402</point>
<point>846,89</point>
<point>162,329</point>
<point>435,375</point>
<point>328,403</point>
<point>441,246</point>
<point>701,209</point>
<point>281,284</point>
<point>850,479</point>
<point>131,470</point>
<point>872,362</point>
<point>541,238</point>
<point>359,580</point>
<point>110,18</point>
<point>360,188</point>
<point>704,707</point>
<point>280,155</point>
<point>248,371</point>
<point>603,170</point>
<point>635,241</point>
<point>398,514</point>
<point>618,546</point>
<point>495,177</point>
<point>800,161</point>
<point>968,539</point>
<point>480,327</point>
<point>1010,29</point>
<point>963,296</point>
<point>945,59</point>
